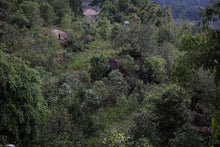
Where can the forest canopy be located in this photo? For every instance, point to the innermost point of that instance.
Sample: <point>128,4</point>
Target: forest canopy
<point>135,74</point>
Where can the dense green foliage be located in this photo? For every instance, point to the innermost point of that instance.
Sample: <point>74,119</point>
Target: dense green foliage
<point>99,67</point>
<point>22,104</point>
<point>131,77</point>
<point>185,9</point>
<point>181,9</point>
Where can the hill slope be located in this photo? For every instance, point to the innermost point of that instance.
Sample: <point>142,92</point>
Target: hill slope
<point>185,9</point>
<point>181,9</point>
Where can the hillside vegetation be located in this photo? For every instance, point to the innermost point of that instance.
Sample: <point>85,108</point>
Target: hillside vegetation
<point>181,9</point>
<point>131,78</point>
<point>185,9</point>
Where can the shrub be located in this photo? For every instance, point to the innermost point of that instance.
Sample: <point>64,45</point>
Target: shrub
<point>165,34</point>
<point>116,31</point>
<point>59,129</point>
<point>187,137</point>
<point>73,44</point>
<point>201,84</point>
<point>89,26</point>
<point>115,138</point>
<point>92,141</point>
<point>144,126</point>
<point>61,7</point>
<point>9,34</point>
<point>102,90</point>
<point>67,20</point>
<point>99,67</point>
<point>168,52</point>
<point>31,10</point>
<point>85,77</point>
<point>167,111</point>
<point>39,50</point>
<point>143,142</point>
<point>47,13</point>
<point>129,64</point>
<point>172,111</point>
<point>117,85</point>
<point>92,100</point>
<point>155,69</point>
<point>104,28</point>
<point>20,20</point>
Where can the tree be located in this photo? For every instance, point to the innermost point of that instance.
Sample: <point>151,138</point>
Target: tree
<point>99,67</point>
<point>201,51</point>
<point>22,105</point>
<point>187,137</point>
<point>140,3</point>
<point>172,110</point>
<point>31,10</point>
<point>155,69</point>
<point>76,7</point>
<point>144,126</point>
<point>47,13</point>
<point>138,41</point>
<point>115,138</point>
<point>166,34</point>
<point>61,7</point>
<point>38,49</point>
<point>117,85</point>
<point>210,13</point>
<point>167,111</point>
<point>96,2</point>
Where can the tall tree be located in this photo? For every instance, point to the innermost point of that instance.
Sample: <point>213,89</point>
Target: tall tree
<point>22,105</point>
<point>76,6</point>
<point>97,2</point>
<point>202,50</point>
